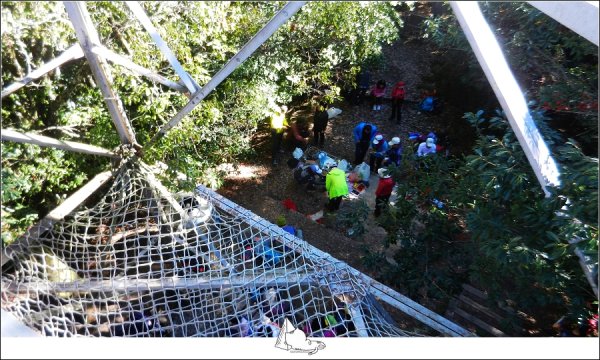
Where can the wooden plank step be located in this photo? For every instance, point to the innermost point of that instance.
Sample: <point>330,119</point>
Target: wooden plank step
<point>479,323</point>
<point>497,319</point>
<point>471,290</point>
<point>451,315</point>
<point>480,308</point>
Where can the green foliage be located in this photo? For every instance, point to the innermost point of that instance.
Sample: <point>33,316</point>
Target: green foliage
<point>34,180</point>
<point>427,261</point>
<point>554,65</point>
<point>519,242</point>
<point>523,238</point>
<point>315,53</point>
<point>351,218</point>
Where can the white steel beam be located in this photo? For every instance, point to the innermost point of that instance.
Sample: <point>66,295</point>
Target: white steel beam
<point>579,16</point>
<point>30,138</point>
<point>279,19</point>
<point>12,327</point>
<point>358,319</point>
<point>399,301</point>
<point>165,283</point>
<point>502,80</point>
<point>123,61</point>
<point>59,213</point>
<point>72,53</point>
<point>140,14</point>
<point>88,37</point>
<point>492,60</point>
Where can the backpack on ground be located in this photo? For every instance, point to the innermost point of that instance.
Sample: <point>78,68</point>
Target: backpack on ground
<point>427,104</point>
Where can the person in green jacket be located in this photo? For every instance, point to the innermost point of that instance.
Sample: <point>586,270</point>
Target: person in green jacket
<point>337,187</point>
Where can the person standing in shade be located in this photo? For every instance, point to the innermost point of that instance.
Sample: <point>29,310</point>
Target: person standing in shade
<point>337,187</point>
<point>385,186</point>
<point>398,94</point>
<point>363,81</point>
<point>426,148</point>
<point>363,135</point>
<point>278,126</point>
<point>379,146</point>
<point>320,120</point>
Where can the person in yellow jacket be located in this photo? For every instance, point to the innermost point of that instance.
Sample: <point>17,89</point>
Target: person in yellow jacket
<point>337,187</point>
<point>278,125</point>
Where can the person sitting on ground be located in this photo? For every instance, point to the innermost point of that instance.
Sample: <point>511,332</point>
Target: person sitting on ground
<point>337,188</point>
<point>299,135</point>
<point>379,146</point>
<point>282,223</point>
<point>430,103</point>
<point>426,148</point>
<point>394,153</point>
<point>385,186</point>
<point>378,92</point>
<point>311,175</point>
<point>363,135</point>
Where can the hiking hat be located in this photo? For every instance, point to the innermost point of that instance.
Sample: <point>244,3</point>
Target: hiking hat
<point>429,142</point>
<point>316,169</point>
<point>377,139</point>
<point>383,173</point>
<point>395,140</point>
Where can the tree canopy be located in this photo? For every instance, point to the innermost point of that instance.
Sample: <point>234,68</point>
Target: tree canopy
<point>321,48</point>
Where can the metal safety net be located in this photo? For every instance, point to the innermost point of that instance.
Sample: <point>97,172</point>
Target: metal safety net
<point>143,262</point>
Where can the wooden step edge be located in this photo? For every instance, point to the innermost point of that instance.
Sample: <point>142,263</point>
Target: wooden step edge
<point>489,313</point>
<point>479,323</point>
<point>481,308</point>
<point>470,289</point>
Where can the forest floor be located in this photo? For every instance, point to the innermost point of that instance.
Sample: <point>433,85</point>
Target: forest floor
<point>262,188</point>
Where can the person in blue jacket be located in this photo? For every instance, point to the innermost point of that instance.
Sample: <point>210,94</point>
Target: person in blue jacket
<point>364,133</point>
<point>379,147</point>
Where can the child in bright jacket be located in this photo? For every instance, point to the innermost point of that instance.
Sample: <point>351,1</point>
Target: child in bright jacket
<point>378,92</point>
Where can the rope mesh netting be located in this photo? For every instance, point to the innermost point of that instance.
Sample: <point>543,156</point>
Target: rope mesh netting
<point>145,262</point>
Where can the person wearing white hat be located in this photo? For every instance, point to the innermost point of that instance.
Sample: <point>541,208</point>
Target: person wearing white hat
<point>426,148</point>
<point>394,153</point>
<point>385,186</point>
<point>379,146</point>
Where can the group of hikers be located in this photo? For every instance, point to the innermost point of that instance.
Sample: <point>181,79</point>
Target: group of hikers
<point>367,139</point>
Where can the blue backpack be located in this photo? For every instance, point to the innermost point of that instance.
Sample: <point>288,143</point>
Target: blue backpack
<point>427,104</point>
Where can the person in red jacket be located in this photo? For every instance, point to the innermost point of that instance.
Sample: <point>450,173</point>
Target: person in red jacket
<point>397,101</point>
<point>384,190</point>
